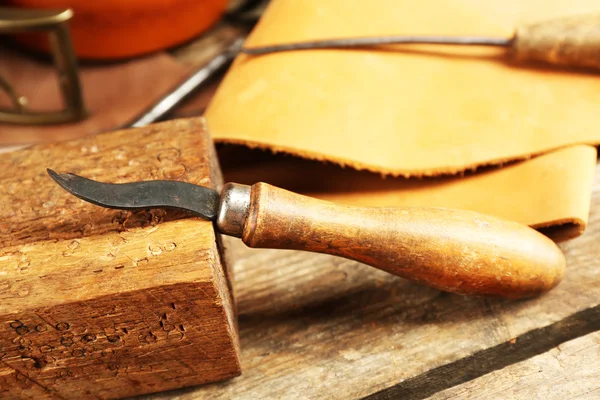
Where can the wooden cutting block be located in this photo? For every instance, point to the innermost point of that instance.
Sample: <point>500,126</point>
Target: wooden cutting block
<point>98,303</point>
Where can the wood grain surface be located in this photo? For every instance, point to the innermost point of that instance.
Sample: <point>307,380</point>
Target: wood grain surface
<point>458,251</point>
<point>318,326</point>
<point>98,303</point>
<point>570,370</point>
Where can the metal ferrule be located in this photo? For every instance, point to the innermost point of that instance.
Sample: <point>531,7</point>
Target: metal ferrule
<point>233,209</point>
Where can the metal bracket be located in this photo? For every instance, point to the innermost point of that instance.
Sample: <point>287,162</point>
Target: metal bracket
<point>14,20</point>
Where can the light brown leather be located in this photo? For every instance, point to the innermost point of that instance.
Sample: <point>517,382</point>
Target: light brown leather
<point>421,110</point>
<point>412,111</point>
<point>114,93</point>
<point>550,192</point>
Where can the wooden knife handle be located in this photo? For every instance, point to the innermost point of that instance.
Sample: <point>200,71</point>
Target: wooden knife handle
<point>456,251</point>
<point>572,41</point>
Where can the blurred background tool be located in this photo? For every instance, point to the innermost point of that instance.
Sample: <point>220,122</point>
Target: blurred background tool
<point>113,32</point>
<point>167,103</point>
<point>572,41</point>
<point>115,86</point>
<point>240,20</point>
<point>54,23</point>
<point>115,29</point>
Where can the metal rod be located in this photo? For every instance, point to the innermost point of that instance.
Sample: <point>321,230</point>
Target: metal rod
<point>66,66</point>
<point>380,40</point>
<point>168,102</point>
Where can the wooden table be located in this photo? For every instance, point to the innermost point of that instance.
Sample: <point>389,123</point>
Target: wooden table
<point>316,326</point>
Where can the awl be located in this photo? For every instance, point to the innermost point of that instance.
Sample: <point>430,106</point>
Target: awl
<point>457,251</point>
<point>570,41</point>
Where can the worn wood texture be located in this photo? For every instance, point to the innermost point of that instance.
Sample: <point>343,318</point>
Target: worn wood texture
<point>457,251</point>
<point>573,41</point>
<point>568,371</point>
<point>98,303</point>
<point>318,326</point>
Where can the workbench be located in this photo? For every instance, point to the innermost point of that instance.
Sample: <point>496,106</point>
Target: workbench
<point>317,326</point>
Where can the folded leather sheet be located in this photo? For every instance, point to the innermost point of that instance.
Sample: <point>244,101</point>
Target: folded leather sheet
<point>550,192</point>
<point>114,93</point>
<point>422,110</point>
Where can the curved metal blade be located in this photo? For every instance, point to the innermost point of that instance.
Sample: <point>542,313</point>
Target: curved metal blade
<point>199,200</point>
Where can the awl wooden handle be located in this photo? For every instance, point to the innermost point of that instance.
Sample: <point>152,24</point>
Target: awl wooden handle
<point>457,251</point>
<point>572,41</point>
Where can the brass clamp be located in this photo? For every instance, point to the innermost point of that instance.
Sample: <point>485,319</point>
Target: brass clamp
<point>13,20</point>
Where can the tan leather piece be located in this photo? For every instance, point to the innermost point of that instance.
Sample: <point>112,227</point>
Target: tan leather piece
<point>114,93</point>
<point>420,110</point>
<point>550,192</point>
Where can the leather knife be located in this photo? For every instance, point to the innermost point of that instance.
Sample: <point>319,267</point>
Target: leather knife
<point>452,250</point>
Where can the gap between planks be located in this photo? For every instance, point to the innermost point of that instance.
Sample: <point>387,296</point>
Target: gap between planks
<point>521,348</point>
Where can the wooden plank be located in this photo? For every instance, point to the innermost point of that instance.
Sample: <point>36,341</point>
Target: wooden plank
<point>98,303</point>
<point>568,371</point>
<point>315,326</point>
